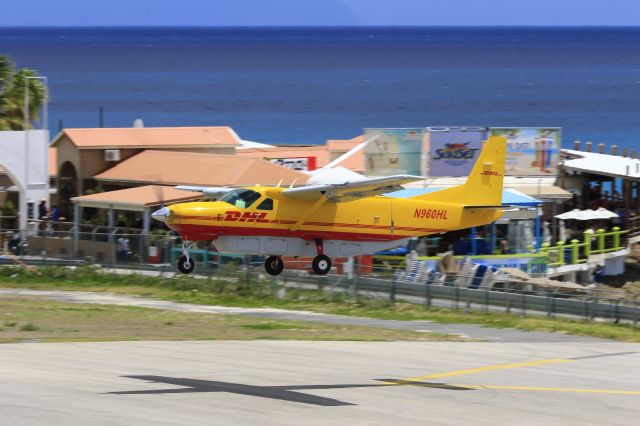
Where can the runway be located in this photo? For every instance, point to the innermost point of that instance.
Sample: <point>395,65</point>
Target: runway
<point>320,383</point>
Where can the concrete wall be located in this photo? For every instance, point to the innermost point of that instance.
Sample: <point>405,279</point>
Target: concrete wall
<point>24,155</point>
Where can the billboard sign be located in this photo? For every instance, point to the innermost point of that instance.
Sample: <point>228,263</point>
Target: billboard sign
<point>301,164</point>
<point>392,151</point>
<point>453,153</point>
<point>531,151</point>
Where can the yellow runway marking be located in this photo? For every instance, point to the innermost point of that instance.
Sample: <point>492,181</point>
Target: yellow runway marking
<point>418,379</point>
<point>544,389</point>
<point>486,368</point>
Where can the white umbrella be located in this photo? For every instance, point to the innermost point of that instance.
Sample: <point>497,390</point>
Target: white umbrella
<point>588,214</point>
<point>603,213</point>
<point>573,214</point>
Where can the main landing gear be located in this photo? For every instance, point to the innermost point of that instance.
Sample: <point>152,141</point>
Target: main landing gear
<point>274,265</point>
<point>185,263</point>
<point>321,264</point>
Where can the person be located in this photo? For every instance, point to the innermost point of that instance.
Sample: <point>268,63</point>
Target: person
<point>55,213</point>
<point>598,274</point>
<point>123,249</point>
<point>42,209</point>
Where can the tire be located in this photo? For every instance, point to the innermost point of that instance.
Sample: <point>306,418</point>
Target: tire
<point>185,265</point>
<point>273,265</point>
<point>321,264</point>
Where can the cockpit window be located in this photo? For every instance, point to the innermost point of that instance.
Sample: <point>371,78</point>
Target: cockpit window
<point>241,198</point>
<point>266,204</point>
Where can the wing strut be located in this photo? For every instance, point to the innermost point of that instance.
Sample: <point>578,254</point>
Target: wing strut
<point>319,202</point>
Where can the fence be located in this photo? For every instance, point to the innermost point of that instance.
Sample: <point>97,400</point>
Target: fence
<point>599,305</point>
<point>577,252</point>
<point>145,253</point>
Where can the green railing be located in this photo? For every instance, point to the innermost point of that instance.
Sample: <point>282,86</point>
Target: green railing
<point>576,252</point>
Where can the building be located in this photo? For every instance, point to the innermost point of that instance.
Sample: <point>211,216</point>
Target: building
<point>84,153</point>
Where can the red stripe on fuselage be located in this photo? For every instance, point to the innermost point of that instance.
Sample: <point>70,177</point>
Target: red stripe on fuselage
<point>207,232</point>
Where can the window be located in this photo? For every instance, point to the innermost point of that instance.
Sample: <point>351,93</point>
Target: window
<point>267,204</point>
<point>241,198</point>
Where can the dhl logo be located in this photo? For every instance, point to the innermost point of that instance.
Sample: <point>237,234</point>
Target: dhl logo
<point>490,173</point>
<point>234,216</point>
<point>457,151</point>
<point>430,214</point>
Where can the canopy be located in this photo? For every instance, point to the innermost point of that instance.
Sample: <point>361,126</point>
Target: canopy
<point>577,214</point>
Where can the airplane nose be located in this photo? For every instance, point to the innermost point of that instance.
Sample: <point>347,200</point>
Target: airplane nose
<point>162,215</point>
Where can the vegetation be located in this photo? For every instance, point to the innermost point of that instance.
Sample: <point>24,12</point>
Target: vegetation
<point>34,319</point>
<point>12,95</point>
<point>232,288</point>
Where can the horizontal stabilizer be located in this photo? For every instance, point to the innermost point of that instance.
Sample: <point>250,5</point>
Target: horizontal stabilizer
<point>481,207</point>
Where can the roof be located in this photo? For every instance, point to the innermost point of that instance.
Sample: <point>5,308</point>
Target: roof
<point>188,168</point>
<point>344,145</point>
<point>252,144</point>
<point>136,199</point>
<point>354,162</point>
<point>547,192</point>
<point>320,152</point>
<point>150,137</point>
<point>510,197</point>
<point>601,164</point>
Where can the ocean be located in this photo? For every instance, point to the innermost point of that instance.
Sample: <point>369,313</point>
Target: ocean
<point>306,85</point>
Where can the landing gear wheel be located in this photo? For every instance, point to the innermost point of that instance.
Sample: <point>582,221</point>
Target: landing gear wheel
<point>321,264</point>
<point>273,265</point>
<point>186,265</point>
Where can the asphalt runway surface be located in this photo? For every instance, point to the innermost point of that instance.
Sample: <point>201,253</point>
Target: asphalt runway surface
<point>320,383</point>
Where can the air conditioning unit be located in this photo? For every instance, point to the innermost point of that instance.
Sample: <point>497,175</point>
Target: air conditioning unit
<point>111,155</point>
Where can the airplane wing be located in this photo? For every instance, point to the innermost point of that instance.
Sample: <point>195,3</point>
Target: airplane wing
<point>207,191</point>
<point>351,190</point>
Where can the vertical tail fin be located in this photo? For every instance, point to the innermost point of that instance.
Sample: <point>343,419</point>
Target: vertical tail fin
<point>484,185</point>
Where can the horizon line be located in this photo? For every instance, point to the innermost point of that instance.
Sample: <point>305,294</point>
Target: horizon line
<point>315,26</point>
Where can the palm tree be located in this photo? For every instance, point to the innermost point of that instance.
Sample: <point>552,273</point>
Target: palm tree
<point>12,92</point>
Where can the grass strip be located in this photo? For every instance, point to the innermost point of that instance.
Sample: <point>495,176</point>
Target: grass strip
<point>231,288</point>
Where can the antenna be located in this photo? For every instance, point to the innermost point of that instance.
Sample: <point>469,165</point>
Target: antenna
<point>293,183</point>
<point>279,183</point>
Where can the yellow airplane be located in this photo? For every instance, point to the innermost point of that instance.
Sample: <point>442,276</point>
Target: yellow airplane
<point>337,220</point>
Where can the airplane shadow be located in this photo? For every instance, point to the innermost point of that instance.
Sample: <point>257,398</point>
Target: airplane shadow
<point>284,393</point>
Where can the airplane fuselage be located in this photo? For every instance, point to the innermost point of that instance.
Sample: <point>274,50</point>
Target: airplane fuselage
<point>270,223</point>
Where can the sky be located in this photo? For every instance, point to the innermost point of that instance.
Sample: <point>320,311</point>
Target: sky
<point>321,13</point>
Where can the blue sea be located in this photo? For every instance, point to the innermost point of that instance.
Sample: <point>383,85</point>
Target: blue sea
<point>304,85</point>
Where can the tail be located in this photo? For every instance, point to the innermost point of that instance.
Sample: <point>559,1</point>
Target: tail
<point>483,187</point>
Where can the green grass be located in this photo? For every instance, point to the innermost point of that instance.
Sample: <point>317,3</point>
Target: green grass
<point>229,289</point>
<point>42,320</point>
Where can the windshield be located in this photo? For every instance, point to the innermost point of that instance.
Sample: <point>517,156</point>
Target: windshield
<point>241,198</point>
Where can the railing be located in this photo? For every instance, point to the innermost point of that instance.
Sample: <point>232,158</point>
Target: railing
<point>577,252</point>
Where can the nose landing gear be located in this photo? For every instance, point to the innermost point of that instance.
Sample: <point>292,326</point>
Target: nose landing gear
<point>185,263</point>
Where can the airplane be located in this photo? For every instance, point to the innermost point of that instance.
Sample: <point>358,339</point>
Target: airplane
<point>334,220</point>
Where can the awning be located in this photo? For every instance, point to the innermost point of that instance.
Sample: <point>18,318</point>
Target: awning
<point>136,199</point>
<point>548,192</point>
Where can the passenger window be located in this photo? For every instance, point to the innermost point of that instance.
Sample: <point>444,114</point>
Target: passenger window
<point>267,204</point>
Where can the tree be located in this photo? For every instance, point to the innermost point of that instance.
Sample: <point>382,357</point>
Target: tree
<point>12,92</point>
